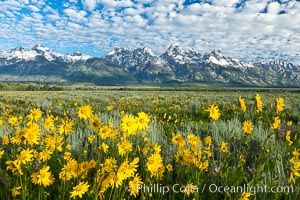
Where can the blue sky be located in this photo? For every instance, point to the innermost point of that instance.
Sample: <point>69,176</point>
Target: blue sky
<point>250,30</point>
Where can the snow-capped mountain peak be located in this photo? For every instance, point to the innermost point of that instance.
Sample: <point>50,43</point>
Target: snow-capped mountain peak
<point>119,50</point>
<point>77,53</point>
<point>175,50</point>
<point>147,50</point>
<point>175,53</point>
<point>216,57</point>
<point>126,58</point>
<point>217,53</point>
<point>49,54</point>
<point>21,54</point>
<point>176,65</point>
<point>40,48</point>
<point>76,56</point>
<point>19,48</point>
<point>118,56</point>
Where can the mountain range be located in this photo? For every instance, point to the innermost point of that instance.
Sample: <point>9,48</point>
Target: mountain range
<point>122,66</point>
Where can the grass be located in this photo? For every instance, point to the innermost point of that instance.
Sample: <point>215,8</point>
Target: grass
<point>190,168</point>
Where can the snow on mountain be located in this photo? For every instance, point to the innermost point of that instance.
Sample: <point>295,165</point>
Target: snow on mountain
<point>176,64</point>
<point>49,54</point>
<point>126,58</point>
<point>76,56</point>
<point>41,49</point>
<point>176,54</point>
<point>143,55</point>
<point>216,57</point>
<point>21,54</point>
<point>118,56</point>
<point>285,69</point>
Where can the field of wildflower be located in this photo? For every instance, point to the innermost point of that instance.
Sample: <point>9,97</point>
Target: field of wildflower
<point>239,144</point>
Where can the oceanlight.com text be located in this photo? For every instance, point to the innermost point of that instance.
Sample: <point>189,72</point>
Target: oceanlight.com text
<point>213,188</point>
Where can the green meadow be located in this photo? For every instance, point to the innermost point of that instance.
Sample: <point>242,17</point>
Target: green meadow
<point>149,143</point>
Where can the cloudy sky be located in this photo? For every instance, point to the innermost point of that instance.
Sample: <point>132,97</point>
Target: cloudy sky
<point>249,30</point>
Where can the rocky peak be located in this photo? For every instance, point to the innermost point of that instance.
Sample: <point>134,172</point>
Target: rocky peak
<point>176,54</point>
<point>118,51</point>
<point>19,48</point>
<point>40,48</point>
<point>77,53</point>
<point>174,50</point>
<point>145,51</point>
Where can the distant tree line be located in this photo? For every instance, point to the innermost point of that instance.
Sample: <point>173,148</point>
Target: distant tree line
<point>29,87</point>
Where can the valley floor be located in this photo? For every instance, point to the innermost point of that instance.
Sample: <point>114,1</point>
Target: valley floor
<point>149,143</point>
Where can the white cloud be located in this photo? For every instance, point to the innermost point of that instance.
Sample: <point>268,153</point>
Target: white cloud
<point>243,33</point>
<point>33,8</point>
<point>110,4</point>
<point>135,20</point>
<point>10,5</point>
<point>25,1</point>
<point>53,17</point>
<point>74,26</point>
<point>49,9</point>
<point>75,14</point>
<point>131,11</point>
<point>254,7</point>
<point>90,4</point>
<point>274,7</point>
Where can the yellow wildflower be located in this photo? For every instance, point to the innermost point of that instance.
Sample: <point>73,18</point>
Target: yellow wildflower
<point>14,166</point>
<point>109,108</point>
<point>279,105</point>
<point>124,146</point>
<point>35,114</point>
<point>104,147</point>
<point>91,138</point>
<point>16,191</point>
<point>69,170</point>
<point>248,127</point>
<point>245,196</point>
<point>129,125</point>
<point>25,156</point>
<point>223,147</point>
<point>190,189</point>
<point>44,155</point>
<point>134,185</point>
<point>5,140</point>
<point>49,123</point>
<point>142,120</point>
<point>95,124</point>
<point>214,113</point>
<point>169,167</point>
<point>85,112</point>
<point>154,163</point>
<point>80,189</point>
<point>66,127</point>
<point>288,137</point>
<point>259,103</point>
<point>43,177</point>
<point>242,104</point>
<point>276,123</point>
<point>1,152</point>
<point>32,134</point>
<point>14,121</point>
